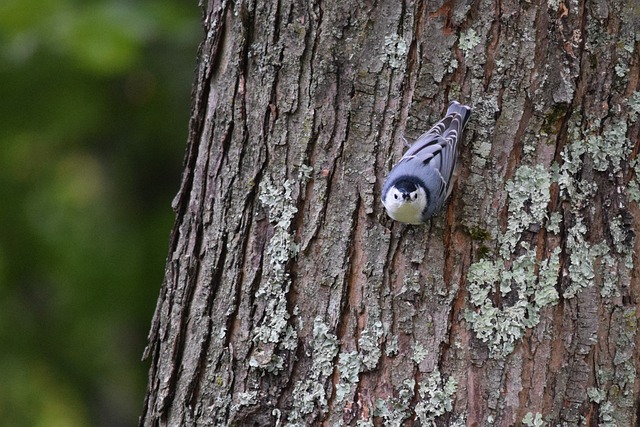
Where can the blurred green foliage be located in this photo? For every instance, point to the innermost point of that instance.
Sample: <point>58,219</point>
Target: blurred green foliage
<point>93,125</point>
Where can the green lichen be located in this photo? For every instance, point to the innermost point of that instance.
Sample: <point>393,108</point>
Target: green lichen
<point>553,225</point>
<point>633,102</point>
<point>596,395</point>
<point>609,287</point>
<point>468,41</point>
<point>606,414</point>
<point>352,364</point>
<point>324,349</point>
<point>274,329</point>
<point>451,64</point>
<point>622,239</point>
<point>395,410</point>
<point>369,344</point>
<point>310,392</point>
<point>529,283</point>
<point>588,259</point>
<point>581,256</point>
<point>607,146</point>
<point>342,391</point>
<point>245,399</point>
<point>458,421</point>
<point>419,353</point>
<point>553,4</point>
<point>572,188</point>
<point>436,398</point>
<point>532,420</point>
<point>267,360</point>
<point>304,172</point>
<point>606,408</point>
<point>619,380</point>
<point>411,283</point>
<point>609,261</point>
<point>613,270</point>
<point>395,51</point>
<point>634,186</point>
<point>528,199</point>
<point>501,327</point>
<point>392,347</point>
<point>627,38</point>
<point>611,148</point>
<point>307,395</point>
<point>621,69</point>
<point>349,365</point>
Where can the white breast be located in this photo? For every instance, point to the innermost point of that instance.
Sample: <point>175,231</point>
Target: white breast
<point>409,213</point>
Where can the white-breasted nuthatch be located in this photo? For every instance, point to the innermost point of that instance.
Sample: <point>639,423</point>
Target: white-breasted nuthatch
<point>421,181</point>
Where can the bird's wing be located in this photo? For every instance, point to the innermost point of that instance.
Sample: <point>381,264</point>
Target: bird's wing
<point>436,150</point>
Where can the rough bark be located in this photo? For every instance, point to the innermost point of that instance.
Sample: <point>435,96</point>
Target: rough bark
<point>291,299</point>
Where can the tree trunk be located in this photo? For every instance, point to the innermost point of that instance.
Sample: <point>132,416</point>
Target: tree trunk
<point>291,299</point>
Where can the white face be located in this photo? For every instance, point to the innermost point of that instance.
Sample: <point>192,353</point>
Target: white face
<point>406,207</point>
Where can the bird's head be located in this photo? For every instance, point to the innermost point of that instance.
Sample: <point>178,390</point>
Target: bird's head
<point>405,201</point>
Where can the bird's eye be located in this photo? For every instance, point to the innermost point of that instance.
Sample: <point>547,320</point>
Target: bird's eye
<point>395,196</point>
<point>415,196</point>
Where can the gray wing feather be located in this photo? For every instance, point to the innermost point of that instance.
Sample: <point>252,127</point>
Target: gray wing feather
<point>437,149</point>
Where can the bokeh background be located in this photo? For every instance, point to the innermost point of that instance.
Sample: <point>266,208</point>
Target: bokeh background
<point>94,108</point>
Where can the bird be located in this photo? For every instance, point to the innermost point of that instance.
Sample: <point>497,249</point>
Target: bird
<point>418,185</point>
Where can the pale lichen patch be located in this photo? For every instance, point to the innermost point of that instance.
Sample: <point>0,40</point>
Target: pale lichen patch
<point>468,40</point>
<point>369,343</point>
<point>395,51</point>
<point>310,393</point>
<point>436,397</point>
<point>395,410</point>
<point>531,283</point>
<point>274,329</point>
<point>533,420</point>
<point>528,198</point>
